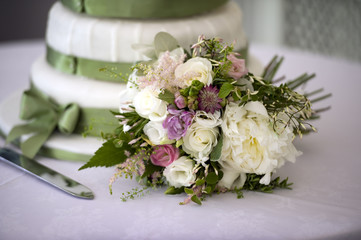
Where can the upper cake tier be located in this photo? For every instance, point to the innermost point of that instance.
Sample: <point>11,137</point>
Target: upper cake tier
<point>111,40</point>
<point>142,9</point>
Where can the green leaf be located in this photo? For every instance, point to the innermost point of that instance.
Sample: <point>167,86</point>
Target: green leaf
<point>150,169</point>
<point>200,182</point>
<point>217,150</point>
<point>225,90</point>
<point>164,42</point>
<point>188,191</point>
<point>212,178</point>
<point>172,190</point>
<point>108,155</point>
<point>208,189</point>
<point>196,200</point>
<point>167,96</point>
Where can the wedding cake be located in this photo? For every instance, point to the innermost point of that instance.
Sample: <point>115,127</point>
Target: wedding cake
<point>85,36</point>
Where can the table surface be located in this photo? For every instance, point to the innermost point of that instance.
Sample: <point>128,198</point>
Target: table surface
<point>324,203</point>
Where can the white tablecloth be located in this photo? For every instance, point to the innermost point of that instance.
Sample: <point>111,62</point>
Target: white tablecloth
<point>325,202</point>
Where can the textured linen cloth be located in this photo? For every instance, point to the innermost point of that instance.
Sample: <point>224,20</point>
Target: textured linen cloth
<point>324,203</point>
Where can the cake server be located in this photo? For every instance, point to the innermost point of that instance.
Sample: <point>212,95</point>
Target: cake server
<point>46,174</point>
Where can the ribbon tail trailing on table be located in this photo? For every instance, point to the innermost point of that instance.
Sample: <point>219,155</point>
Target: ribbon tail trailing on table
<point>44,117</point>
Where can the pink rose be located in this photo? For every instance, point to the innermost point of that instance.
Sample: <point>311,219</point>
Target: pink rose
<point>163,155</point>
<point>180,102</point>
<point>238,68</point>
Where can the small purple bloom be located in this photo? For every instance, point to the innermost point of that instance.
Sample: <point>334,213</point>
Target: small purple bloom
<point>180,102</point>
<point>177,122</point>
<point>208,99</point>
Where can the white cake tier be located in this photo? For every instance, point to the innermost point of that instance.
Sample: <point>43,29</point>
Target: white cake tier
<point>65,88</point>
<point>112,39</point>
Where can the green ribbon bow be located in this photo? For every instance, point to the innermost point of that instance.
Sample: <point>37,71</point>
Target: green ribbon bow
<point>44,117</point>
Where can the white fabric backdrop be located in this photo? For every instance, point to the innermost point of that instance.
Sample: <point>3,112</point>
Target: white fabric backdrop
<point>324,203</point>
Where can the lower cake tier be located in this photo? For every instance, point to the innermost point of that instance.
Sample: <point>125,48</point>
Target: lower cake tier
<point>66,88</point>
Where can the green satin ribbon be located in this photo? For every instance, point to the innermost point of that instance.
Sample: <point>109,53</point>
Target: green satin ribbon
<point>143,8</point>
<point>45,117</point>
<point>87,67</point>
<point>57,153</point>
<point>90,68</point>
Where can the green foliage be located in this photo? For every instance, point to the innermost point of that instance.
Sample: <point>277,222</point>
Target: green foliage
<point>108,155</point>
<point>193,89</point>
<point>167,96</point>
<point>217,150</point>
<point>212,178</point>
<point>196,200</point>
<point>252,184</point>
<point>164,42</point>
<point>134,193</point>
<point>225,90</point>
<point>173,190</point>
<point>150,169</point>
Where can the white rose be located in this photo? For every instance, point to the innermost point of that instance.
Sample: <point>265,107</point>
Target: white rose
<point>208,119</point>
<point>180,172</point>
<point>148,105</point>
<point>232,179</point>
<point>199,141</point>
<point>127,95</point>
<point>250,145</point>
<point>195,69</point>
<point>156,133</point>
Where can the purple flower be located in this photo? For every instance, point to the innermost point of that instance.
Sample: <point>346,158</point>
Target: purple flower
<point>177,122</point>
<point>208,99</point>
<point>163,155</point>
<point>180,102</point>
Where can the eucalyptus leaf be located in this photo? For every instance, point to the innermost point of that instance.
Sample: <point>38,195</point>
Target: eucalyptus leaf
<point>164,42</point>
<point>145,50</point>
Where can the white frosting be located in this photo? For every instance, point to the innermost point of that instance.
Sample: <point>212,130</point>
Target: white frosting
<point>111,39</point>
<point>65,88</point>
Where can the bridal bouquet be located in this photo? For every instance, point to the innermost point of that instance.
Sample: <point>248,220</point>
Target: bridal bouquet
<point>200,123</point>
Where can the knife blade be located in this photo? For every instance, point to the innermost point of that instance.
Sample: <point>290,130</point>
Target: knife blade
<point>46,174</point>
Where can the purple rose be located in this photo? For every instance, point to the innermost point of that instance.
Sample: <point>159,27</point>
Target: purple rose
<point>238,68</point>
<point>177,122</point>
<point>164,155</point>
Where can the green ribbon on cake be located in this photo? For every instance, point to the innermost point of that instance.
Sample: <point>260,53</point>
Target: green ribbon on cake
<point>142,8</point>
<point>91,68</point>
<point>45,117</point>
<point>87,67</point>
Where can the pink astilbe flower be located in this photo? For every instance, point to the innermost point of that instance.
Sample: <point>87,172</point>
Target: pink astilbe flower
<point>161,76</point>
<point>208,99</point>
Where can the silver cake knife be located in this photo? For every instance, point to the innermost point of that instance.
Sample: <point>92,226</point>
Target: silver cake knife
<point>46,174</point>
